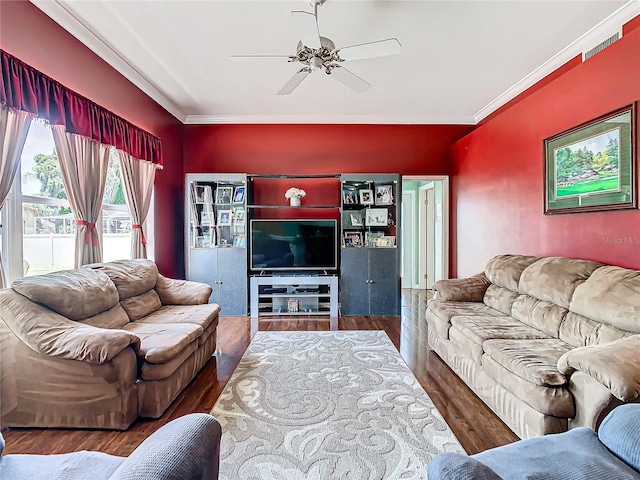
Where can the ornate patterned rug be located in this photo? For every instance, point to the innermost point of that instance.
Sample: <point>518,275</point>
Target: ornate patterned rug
<point>321,405</point>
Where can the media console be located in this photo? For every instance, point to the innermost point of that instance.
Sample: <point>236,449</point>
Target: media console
<point>290,294</point>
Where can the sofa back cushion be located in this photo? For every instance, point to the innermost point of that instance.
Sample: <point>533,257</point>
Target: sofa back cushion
<point>581,331</point>
<point>115,317</point>
<point>504,271</point>
<point>554,279</point>
<point>76,294</point>
<point>131,277</point>
<point>611,296</point>
<point>141,305</point>
<point>546,288</point>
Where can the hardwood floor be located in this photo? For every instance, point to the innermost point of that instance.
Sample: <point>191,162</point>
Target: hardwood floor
<point>472,422</point>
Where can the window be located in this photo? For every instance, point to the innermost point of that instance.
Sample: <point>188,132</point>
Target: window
<point>38,231</point>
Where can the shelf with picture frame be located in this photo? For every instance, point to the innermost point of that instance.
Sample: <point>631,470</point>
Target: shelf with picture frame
<point>215,237</point>
<point>369,206</point>
<point>370,253</point>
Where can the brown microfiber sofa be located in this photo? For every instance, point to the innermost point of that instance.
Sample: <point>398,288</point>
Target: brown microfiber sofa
<point>548,344</point>
<point>98,346</point>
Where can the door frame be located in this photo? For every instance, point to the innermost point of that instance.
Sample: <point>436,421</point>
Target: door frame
<point>445,213</point>
<point>412,253</point>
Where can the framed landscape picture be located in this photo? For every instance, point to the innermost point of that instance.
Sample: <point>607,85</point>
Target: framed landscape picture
<point>593,167</point>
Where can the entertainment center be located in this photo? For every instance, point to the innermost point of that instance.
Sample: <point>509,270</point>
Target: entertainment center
<point>334,253</point>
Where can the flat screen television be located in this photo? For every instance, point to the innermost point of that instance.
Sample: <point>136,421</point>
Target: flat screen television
<point>293,245</point>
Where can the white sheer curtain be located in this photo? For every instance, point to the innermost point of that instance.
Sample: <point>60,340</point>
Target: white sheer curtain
<point>84,171</point>
<point>137,177</point>
<point>14,126</point>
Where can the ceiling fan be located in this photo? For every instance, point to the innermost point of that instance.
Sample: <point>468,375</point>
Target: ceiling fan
<point>316,52</point>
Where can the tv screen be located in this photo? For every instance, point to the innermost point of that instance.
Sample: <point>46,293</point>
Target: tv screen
<point>293,245</point>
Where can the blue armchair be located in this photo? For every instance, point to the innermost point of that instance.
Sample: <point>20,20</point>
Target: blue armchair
<point>185,448</point>
<point>579,454</point>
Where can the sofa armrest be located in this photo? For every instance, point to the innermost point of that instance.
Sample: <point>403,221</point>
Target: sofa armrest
<point>469,289</point>
<point>458,466</point>
<point>50,333</point>
<point>616,365</point>
<point>182,292</point>
<point>187,447</point>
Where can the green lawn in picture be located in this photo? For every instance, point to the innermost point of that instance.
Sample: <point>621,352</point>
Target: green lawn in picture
<point>610,183</point>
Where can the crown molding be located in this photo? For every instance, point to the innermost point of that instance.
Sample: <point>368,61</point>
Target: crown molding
<point>66,18</point>
<point>610,25</point>
<point>331,119</point>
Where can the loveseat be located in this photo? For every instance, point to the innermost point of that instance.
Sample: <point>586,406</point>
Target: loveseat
<point>98,346</point>
<point>185,448</point>
<point>548,344</point>
<point>580,454</point>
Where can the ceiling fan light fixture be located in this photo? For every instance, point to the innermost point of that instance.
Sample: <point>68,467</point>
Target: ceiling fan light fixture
<point>315,63</point>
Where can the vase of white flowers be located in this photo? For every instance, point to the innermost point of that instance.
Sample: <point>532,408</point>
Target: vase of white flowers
<point>294,195</point>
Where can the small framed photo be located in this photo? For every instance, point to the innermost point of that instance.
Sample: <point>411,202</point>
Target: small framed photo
<point>353,239</point>
<point>200,193</point>
<point>384,195</point>
<point>202,242</point>
<point>238,194</point>
<point>386,241</point>
<point>376,217</point>
<point>366,197</point>
<point>371,238</point>
<point>356,219</point>
<point>350,195</point>
<point>223,194</point>
<point>206,219</point>
<point>224,218</point>
<point>239,241</point>
<point>239,217</point>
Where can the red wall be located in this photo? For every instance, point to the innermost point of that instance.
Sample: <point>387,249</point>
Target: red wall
<point>34,38</point>
<point>305,149</point>
<point>498,171</point>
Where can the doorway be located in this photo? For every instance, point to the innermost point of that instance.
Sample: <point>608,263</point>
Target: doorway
<point>425,230</point>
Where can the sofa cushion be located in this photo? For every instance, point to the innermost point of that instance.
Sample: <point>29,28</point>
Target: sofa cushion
<point>505,270</point>
<point>620,433</point>
<point>447,310</point>
<point>203,315</point>
<point>161,343</point>
<point>544,316</point>
<point>75,294</point>
<point>554,279</point>
<point>581,331</point>
<point>500,298</point>
<point>534,360</point>
<point>160,371</point>
<point>482,328</point>
<point>131,277</point>
<point>114,318</point>
<point>141,305</point>
<point>554,401</point>
<point>469,333</point>
<point>611,295</point>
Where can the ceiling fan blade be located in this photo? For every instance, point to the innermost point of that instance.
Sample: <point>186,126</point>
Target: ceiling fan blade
<point>381,48</point>
<point>294,81</point>
<point>350,79</point>
<point>307,28</point>
<point>259,58</point>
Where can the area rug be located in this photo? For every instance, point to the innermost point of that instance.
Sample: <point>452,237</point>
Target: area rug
<point>325,405</point>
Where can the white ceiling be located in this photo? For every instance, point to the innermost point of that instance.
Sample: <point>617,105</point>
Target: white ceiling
<point>460,60</point>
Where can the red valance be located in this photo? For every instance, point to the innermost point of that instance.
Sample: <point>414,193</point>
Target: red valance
<point>25,88</point>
